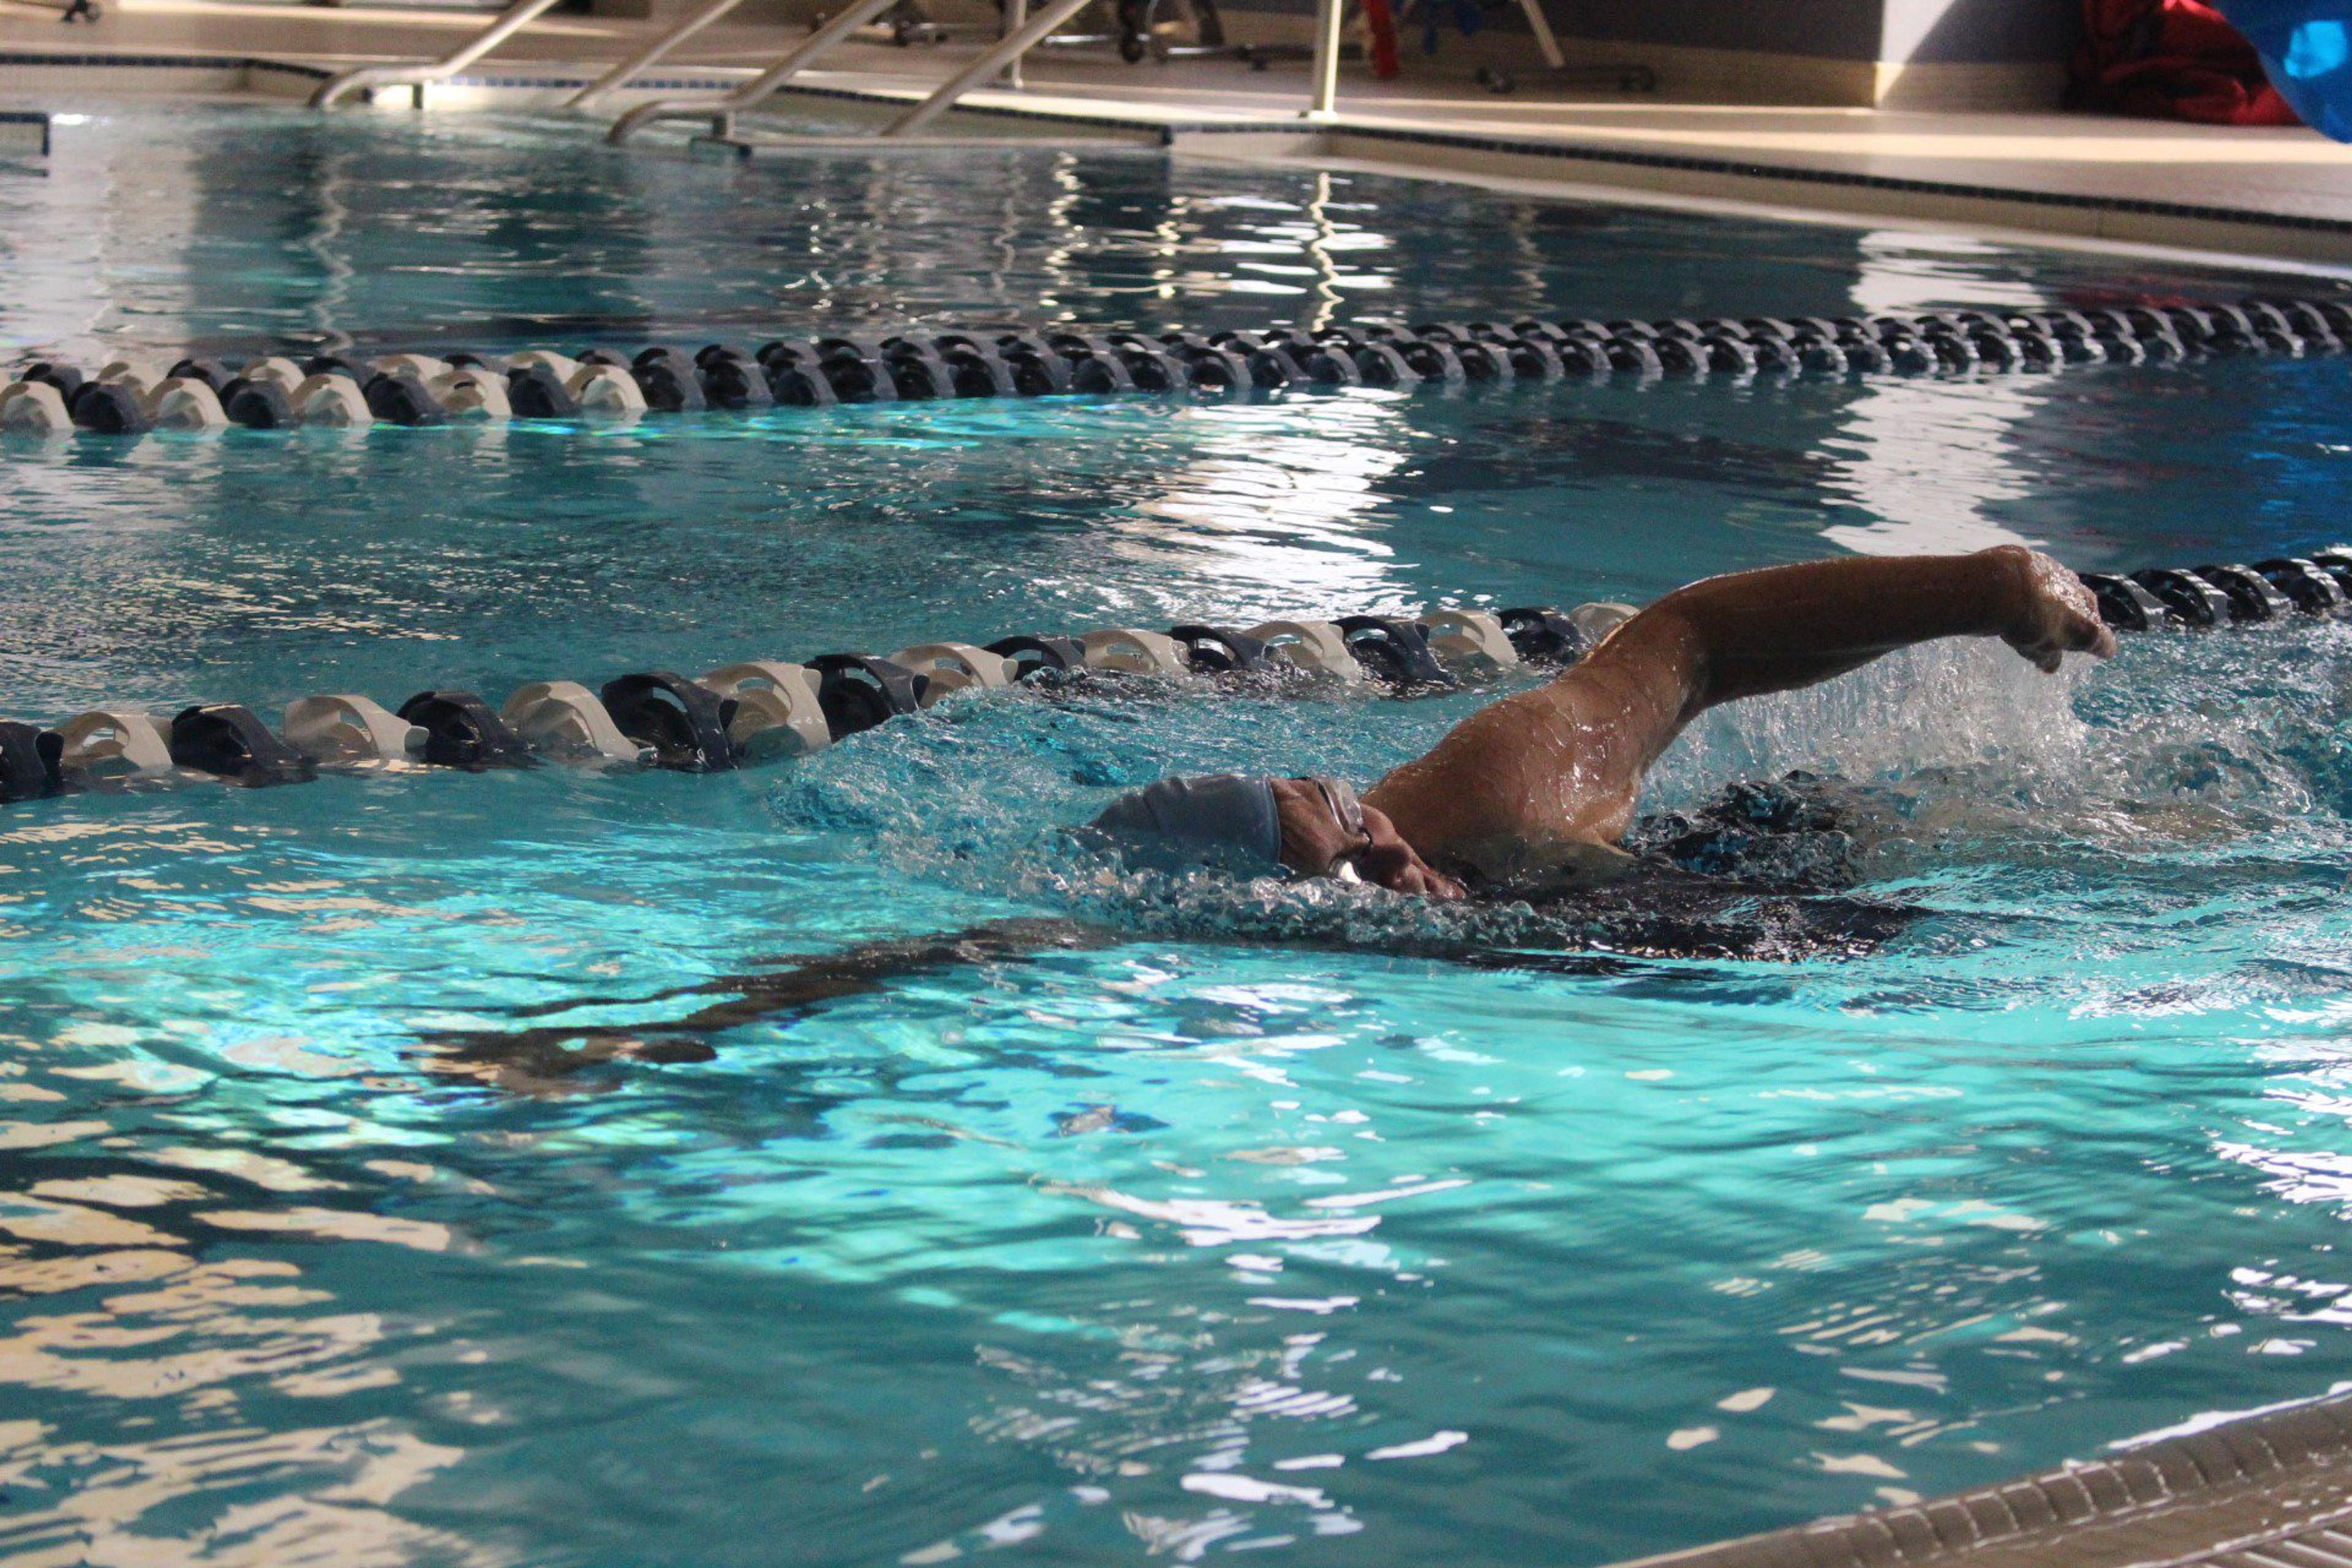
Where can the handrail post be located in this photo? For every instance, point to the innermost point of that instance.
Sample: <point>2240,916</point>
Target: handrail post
<point>1039,27</point>
<point>510,21</point>
<point>816,44</point>
<point>612,80</point>
<point>1324,103</point>
<point>1540,26</point>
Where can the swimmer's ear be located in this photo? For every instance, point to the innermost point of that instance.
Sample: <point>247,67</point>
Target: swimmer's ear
<point>1312,842</point>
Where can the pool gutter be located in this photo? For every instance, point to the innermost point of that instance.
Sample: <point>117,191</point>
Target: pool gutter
<point>1786,187</point>
<point>2265,1490</point>
<point>1837,193</point>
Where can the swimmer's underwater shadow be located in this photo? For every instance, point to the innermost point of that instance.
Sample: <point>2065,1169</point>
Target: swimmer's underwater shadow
<point>1620,932</point>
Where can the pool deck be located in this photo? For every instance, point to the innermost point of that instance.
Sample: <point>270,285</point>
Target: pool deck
<point>2271,1489</point>
<point>2267,193</point>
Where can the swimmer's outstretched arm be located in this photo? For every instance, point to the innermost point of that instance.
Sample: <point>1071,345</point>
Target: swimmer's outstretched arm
<point>1523,785</point>
<point>546,1057</point>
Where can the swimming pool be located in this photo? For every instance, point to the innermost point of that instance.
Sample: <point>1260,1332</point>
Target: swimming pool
<point>1151,1244</point>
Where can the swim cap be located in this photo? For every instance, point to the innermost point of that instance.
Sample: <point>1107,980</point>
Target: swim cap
<point>1220,819</point>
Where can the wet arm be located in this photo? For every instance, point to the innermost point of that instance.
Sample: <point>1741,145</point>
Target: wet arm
<point>1564,763</point>
<point>1789,627</point>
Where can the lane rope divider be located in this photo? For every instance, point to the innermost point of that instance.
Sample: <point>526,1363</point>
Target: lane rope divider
<point>130,397</point>
<point>762,710</point>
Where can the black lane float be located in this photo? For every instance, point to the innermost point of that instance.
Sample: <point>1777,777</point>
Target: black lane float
<point>2225,593</point>
<point>129,397</point>
<point>760,709</point>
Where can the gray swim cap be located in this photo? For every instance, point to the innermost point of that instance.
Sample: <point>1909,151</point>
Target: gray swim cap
<point>1220,819</point>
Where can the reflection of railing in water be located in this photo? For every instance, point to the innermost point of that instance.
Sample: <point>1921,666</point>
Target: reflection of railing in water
<point>1917,486</point>
<point>324,241</point>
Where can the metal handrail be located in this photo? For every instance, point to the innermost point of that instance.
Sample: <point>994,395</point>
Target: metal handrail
<point>760,87</point>
<point>612,80</point>
<point>1033,32</point>
<point>1007,53</point>
<point>1322,102</point>
<point>511,22</point>
<point>1540,26</point>
<point>1017,14</point>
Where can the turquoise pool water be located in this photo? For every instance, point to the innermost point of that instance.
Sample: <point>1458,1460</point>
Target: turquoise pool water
<point>1151,1244</point>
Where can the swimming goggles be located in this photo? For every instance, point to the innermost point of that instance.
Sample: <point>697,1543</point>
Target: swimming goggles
<point>1348,813</point>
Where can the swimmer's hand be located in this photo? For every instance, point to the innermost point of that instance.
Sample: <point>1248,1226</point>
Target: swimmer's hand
<point>1313,845</point>
<point>2051,614</point>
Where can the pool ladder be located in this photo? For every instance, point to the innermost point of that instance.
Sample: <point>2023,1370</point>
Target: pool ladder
<point>416,75</point>
<point>1026,31</point>
<point>1025,34</point>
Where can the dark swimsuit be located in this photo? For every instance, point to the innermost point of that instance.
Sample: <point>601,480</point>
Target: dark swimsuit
<point>1757,871</point>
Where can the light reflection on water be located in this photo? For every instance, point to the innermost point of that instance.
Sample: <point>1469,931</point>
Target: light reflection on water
<point>1136,1242</point>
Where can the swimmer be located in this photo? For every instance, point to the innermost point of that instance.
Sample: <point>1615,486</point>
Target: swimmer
<point>1537,791</point>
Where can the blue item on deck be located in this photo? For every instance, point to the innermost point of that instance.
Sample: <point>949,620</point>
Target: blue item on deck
<point>2307,48</point>
<point>1468,16</point>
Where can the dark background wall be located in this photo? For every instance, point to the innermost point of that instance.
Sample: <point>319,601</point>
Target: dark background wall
<point>1926,31</point>
<point>1829,29</point>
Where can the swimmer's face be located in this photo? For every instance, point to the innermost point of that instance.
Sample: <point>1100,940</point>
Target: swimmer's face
<point>1317,843</point>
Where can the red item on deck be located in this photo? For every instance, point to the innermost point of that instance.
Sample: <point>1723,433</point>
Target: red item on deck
<point>2171,59</point>
<point>1380,23</point>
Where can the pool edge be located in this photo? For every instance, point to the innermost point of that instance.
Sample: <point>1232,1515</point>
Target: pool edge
<point>1638,175</point>
<point>2274,1478</point>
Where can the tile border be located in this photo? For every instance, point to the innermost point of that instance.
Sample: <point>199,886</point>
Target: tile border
<point>144,60</point>
<point>28,117</point>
